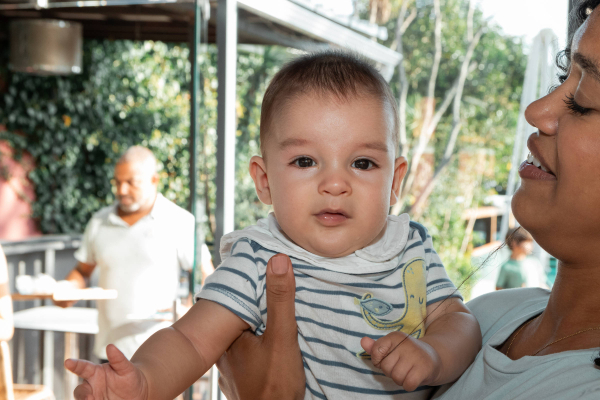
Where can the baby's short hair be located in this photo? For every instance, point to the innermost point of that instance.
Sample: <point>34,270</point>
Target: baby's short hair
<point>341,74</point>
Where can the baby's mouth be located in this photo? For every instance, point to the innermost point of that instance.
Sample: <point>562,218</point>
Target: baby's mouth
<point>333,211</point>
<point>332,217</point>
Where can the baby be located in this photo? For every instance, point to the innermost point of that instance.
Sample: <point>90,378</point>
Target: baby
<point>363,278</point>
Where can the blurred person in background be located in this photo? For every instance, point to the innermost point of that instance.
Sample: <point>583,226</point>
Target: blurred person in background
<point>520,270</point>
<point>140,246</point>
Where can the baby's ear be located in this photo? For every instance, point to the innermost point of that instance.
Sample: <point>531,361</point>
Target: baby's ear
<point>400,167</point>
<point>258,172</point>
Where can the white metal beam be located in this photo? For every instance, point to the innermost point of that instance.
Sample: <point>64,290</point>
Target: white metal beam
<point>320,28</point>
<point>226,119</point>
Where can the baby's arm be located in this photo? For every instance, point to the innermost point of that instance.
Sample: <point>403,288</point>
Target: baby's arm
<point>168,362</point>
<point>451,342</point>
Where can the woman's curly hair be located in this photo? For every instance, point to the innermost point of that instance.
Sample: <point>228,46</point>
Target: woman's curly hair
<point>581,10</point>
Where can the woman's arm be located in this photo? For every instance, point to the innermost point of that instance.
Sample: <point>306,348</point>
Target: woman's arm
<point>269,366</point>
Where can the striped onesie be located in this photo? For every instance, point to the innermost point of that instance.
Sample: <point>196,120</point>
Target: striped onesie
<point>382,288</point>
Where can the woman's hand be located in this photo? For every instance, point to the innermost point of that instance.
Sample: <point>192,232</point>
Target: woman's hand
<point>269,366</point>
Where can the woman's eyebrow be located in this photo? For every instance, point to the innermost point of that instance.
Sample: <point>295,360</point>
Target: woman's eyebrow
<point>587,65</point>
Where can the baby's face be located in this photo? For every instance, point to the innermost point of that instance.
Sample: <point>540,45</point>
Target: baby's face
<point>330,172</point>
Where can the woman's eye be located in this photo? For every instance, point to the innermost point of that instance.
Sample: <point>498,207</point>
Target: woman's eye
<point>304,162</point>
<point>363,164</point>
<point>574,107</point>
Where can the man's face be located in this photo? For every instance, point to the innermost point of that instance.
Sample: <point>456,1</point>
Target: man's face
<point>136,186</point>
<point>331,172</point>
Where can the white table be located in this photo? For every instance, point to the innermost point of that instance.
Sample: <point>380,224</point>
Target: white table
<point>57,319</point>
<point>71,321</point>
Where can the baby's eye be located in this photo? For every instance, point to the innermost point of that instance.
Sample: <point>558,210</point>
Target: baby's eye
<point>363,164</point>
<point>304,162</point>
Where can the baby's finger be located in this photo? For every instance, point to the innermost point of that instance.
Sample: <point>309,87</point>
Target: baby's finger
<point>413,379</point>
<point>391,362</point>
<point>399,373</point>
<point>367,344</point>
<point>83,392</point>
<point>383,347</point>
<point>82,368</point>
<point>118,362</point>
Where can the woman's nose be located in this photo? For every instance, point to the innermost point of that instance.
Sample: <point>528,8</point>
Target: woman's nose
<point>544,113</point>
<point>334,181</point>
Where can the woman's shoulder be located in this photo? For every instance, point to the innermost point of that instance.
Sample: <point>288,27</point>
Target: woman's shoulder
<point>494,310</point>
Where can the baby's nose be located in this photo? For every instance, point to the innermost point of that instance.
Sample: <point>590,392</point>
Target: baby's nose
<point>335,183</point>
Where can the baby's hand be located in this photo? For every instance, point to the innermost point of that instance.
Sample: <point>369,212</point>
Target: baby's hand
<point>117,380</point>
<point>408,361</point>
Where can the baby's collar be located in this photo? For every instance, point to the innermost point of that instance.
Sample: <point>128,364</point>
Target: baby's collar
<point>378,257</point>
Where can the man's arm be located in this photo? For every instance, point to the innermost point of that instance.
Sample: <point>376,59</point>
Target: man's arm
<point>78,277</point>
<point>206,263</point>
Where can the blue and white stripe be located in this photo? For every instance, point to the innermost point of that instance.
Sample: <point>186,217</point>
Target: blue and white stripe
<point>330,324</point>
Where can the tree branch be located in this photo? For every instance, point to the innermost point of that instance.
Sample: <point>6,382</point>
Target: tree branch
<point>403,80</point>
<point>426,130</point>
<point>466,68</point>
<point>401,27</point>
<point>470,20</point>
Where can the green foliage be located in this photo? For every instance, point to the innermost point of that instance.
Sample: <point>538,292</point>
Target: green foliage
<point>76,127</point>
<point>492,92</point>
<point>255,70</point>
<point>137,93</point>
<point>489,113</point>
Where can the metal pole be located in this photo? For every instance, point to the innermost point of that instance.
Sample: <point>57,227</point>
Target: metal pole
<point>226,121</point>
<point>194,134</point>
<point>194,140</point>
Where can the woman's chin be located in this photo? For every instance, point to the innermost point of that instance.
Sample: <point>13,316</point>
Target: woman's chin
<point>528,212</point>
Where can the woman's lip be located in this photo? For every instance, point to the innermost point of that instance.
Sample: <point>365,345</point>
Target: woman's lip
<point>330,218</point>
<point>530,171</point>
<point>533,149</point>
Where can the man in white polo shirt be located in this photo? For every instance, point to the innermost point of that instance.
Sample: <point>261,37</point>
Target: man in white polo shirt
<point>139,245</point>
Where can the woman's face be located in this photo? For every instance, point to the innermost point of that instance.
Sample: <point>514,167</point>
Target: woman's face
<point>561,207</point>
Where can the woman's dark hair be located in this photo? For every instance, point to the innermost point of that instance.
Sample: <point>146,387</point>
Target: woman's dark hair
<point>581,10</point>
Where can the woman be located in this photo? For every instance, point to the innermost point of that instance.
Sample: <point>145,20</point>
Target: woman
<point>537,344</point>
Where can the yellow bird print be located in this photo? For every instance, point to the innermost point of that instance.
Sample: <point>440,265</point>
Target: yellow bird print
<point>415,306</point>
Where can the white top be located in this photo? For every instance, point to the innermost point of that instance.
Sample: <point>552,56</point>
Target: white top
<point>494,376</point>
<point>381,288</point>
<point>142,262</point>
